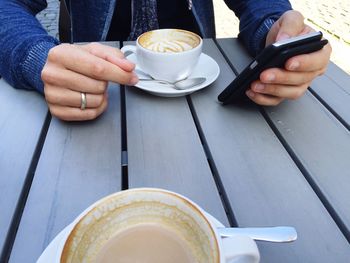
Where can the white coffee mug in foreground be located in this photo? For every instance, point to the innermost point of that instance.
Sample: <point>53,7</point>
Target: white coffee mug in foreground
<point>167,54</point>
<point>150,225</point>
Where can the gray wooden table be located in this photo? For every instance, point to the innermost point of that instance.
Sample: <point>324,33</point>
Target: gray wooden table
<point>244,164</point>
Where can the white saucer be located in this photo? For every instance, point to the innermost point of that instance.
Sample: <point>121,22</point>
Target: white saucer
<point>51,252</point>
<point>206,67</point>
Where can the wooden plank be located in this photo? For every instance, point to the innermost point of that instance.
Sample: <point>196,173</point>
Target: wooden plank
<point>80,163</point>
<point>262,182</point>
<point>22,116</point>
<point>165,151</point>
<point>333,89</point>
<point>322,144</point>
<point>339,76</point>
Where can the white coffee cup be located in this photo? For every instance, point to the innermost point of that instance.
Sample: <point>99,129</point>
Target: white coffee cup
<point>175,229</point>
<point>167,54</point>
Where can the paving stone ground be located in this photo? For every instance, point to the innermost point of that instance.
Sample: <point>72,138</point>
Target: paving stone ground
<point>332,17</point>
<point>49,17</point>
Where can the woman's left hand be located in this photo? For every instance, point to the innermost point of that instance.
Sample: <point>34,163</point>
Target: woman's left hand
<point>291,82</point>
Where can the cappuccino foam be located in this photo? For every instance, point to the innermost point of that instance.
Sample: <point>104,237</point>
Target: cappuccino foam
<point>169,40</point>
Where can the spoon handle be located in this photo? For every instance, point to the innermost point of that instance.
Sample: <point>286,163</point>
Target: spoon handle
<point>157,81</point>
<point>180,84</point>
<point>272,234</point>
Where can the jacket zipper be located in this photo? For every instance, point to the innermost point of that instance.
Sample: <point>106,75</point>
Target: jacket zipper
<point>189,4</point>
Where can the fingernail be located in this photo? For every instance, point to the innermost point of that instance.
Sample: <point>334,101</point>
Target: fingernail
<point>134,80</point>
<point>282,36</point>
<point>294,65</point>
<point>259,87</point>
<point>250,93</point>
<point>270,77</point>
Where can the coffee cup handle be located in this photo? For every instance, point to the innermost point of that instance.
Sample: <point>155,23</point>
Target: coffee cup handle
<point>240,249</point>
<point>128,48</point>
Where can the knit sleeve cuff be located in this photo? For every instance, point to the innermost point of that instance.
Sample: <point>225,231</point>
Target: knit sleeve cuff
<point>259,38</point>
<point>33,64</point>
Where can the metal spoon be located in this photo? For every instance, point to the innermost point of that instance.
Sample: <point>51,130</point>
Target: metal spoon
<point>272,234</point>
<point>179,85</point>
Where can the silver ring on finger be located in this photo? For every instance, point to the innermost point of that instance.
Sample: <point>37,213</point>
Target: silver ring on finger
<point>83,101</point>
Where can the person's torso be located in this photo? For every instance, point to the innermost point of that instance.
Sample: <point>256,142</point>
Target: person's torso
<point>92,19</point>
<point>170,14</point>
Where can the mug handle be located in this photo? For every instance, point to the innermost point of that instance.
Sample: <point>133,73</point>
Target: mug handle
<point>128,48</point>
<point>240,249</point>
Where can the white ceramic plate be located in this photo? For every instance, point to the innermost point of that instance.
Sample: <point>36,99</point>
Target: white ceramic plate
<point>51,251</point>
<point>206,67</point>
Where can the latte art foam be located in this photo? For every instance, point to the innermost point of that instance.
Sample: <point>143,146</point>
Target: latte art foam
<point>169,40</point>
<point>169,46</point>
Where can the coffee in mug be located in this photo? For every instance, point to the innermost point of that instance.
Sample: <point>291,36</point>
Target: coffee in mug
<point>150,225</point>
<point>146,243</point>
<point>169,41</point>
<point>167,54</point>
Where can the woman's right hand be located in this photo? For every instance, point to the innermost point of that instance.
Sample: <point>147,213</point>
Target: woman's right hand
<point>71,70</point>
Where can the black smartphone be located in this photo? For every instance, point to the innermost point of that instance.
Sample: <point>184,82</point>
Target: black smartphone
<point>274,55</point>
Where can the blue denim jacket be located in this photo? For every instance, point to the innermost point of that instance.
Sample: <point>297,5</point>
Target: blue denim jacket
<point>24,44</point>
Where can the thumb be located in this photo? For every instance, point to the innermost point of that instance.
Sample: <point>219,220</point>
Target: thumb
<point>291,24</point>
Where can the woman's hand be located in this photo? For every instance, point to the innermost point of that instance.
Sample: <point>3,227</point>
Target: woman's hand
<point>71,70</point>
<point>277,84</point>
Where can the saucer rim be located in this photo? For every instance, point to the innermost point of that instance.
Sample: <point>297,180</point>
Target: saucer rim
<point>177,93</point>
